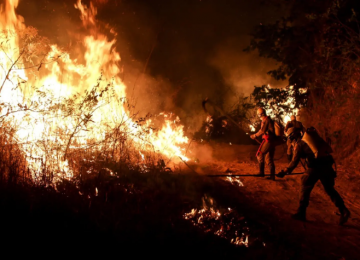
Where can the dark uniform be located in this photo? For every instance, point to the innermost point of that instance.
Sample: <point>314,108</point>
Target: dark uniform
<point>299,128</point>
<point>266,150</point>
<point>318,169</point>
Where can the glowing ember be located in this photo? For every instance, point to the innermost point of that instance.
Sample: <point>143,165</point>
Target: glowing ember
<point>209,121</point>
<point>227,224</point>
<point>235,181</point>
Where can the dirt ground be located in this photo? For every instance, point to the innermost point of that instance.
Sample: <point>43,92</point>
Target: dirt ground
<point>271,203</point>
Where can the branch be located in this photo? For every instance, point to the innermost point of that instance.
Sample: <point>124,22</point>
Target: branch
<point>7,75</point>
<point>28,109</point>
<point>76,131</point>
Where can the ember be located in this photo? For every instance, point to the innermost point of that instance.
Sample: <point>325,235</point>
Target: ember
<point>225,223</point>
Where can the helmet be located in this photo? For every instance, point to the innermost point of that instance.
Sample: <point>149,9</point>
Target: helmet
<point>261,112</point>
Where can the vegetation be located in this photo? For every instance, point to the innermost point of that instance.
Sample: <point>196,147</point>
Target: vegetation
<point>317,46</point>
<point>115,198</point>
<point>107,190</point>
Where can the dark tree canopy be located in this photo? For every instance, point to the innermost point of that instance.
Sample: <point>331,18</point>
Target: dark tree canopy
<point>317,47</point>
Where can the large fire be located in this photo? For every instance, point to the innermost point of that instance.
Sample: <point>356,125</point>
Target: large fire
<point>60,101</point>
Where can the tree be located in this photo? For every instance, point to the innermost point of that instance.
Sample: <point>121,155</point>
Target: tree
<point>280,102</point>
<point>316,39</point>
<point>318,49</point>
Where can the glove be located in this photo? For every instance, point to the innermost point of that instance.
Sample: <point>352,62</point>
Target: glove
<point>282,173</point>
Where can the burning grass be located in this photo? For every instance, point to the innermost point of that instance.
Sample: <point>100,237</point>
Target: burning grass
<point>117,207</point>
<point>12,158</point>
<point>79,167</point>
<point>67,108</point>
<point>76,160</point>
<point>116,193</point>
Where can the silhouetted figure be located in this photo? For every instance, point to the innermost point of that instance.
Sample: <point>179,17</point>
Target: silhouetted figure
<point>319,167</point>
<point>298,127</point>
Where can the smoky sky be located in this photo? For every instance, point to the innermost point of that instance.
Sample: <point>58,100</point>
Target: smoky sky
<point>174,52</point>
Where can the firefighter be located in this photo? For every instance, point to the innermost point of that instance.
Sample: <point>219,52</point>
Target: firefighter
<point>267,148</point>
<point>319,168</point>
<point>299,127</point>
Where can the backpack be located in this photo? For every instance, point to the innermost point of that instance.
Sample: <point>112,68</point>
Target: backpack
<point>278,129</point>
<point>318,146</point>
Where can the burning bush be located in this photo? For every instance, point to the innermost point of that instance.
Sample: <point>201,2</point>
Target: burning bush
<point>65,112</point>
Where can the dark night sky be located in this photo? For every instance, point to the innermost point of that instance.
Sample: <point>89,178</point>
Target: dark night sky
<point>197,46</point>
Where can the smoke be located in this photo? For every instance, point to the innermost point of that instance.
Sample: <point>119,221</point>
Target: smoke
<point>242,71</point>
<point>186,51</point>
<point>173,53</point>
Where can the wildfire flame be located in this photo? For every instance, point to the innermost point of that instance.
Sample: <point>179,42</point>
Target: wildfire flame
<point>227,224</point>
<point>42,119</point>
<point>290,103</point>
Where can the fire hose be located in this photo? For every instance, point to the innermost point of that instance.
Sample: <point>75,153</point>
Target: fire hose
<point>251,175</point>
<point>279,175</point>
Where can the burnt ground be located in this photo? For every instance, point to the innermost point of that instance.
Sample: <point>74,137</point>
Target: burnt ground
<point>137,215</point>
<point>272,203</point>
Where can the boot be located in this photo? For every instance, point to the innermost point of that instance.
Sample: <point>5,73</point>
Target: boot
<point>289,157</point>
<point>261,169</point>
<point>300,215</point>
<point>345,214</point>
<point>272,173</point>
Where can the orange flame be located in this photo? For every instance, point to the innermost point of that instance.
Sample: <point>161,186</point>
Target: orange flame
<point>57,81</point>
